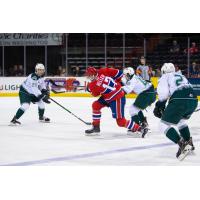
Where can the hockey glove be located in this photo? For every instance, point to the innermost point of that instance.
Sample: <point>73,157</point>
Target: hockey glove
<point>35,99</point>
<point>46,99</point>
<point>45,92</point>
<point>159,108</point>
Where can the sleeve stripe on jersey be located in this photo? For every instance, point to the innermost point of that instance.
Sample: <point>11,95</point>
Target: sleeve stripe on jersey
<point>118,75</point>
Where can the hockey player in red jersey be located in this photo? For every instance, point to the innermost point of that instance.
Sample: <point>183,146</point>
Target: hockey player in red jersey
<point>105,83</point>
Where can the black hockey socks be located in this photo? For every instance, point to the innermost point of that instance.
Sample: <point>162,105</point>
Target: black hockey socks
<point>19,113</point>
<point>141,116</point>
<point>185,133</point>
<point>41,112</point>
<point>136,119</point>
<point>173,135</point>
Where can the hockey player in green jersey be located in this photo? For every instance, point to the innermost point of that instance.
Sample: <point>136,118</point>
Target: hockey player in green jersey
<point>182,102</point>
<point>146,96</point>
<point>33,90</point>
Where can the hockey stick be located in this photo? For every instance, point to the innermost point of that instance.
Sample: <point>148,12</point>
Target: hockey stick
<point>87,123</point>
<point>60,92</point>
<point>197,110</point>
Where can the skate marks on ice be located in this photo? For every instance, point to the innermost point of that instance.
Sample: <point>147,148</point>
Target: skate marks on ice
<point>90,155</point>
<point>113,136</point>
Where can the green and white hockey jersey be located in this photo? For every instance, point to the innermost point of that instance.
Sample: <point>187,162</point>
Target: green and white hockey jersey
<point>136,85</point>
<point>170,83</point>
<point>34,84</point>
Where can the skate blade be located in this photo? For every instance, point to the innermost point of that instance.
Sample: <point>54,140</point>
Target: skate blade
<point>92,134</point>
<point>44,121</point>
<point>188,150</point>
<point>11,124</point>
<point>134,134</point>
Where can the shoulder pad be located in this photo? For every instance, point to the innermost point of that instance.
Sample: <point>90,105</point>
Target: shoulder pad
<point>34,76</point>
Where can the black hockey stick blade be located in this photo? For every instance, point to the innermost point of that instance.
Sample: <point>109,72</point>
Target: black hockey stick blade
<point>57,92</point>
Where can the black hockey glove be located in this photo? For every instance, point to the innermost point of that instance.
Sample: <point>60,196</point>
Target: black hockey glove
<point>46,99</point>
<point>35,99</point>
<point>45,92</point>
<point>159,108</point>
<point>46,95</point>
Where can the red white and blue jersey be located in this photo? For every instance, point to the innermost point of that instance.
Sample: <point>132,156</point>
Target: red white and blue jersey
<point>111,72</point>
<point>107,84</point>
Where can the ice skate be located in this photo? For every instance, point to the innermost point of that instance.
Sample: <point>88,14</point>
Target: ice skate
<point>191,143</point>
<point>137,131</point>
<point>44,119</point>
<point>95,130</point>
<point>14,122</point>
<point>144,124</point>
<point>185,147</point>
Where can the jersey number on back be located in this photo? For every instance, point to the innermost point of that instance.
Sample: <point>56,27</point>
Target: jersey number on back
<point>179,79</point>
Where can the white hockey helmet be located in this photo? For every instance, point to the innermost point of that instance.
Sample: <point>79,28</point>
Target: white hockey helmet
<point>39,66</point>
<point>128,72</point>
<point>39,69</point>
<point>167,68</point>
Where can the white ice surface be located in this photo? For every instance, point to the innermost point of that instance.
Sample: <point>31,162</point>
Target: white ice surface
<point>62,142</point>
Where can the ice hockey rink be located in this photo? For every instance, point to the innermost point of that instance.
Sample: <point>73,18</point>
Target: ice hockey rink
<point>62,142</point>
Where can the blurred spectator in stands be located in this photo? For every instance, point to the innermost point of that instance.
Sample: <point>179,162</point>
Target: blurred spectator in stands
<point>194,70</point>
<point>59,71</point>
<point>63,73</point>
<point>193,49</point>
<point>15,69</point>
<point>144,70</point>
<point>175,47</point>
<point>153,72</point>
<point>20,71</point>
<point>177,69</point>
<point>110,66</point>
<point>158,72</point>
<point>76,71</point>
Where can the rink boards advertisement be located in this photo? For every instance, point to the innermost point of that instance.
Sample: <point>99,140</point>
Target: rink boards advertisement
<point>70,86</point>
<point>67,86</point>
<point>63,87</point>
<point>31,39</point>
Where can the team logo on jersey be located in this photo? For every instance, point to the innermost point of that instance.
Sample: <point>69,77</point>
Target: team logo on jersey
<point>34,78</point>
